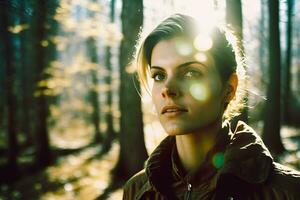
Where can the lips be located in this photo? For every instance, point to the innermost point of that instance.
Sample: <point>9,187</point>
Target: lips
<point>173,110</point>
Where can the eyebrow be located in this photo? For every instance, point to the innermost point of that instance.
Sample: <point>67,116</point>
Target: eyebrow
<point>181,65</point>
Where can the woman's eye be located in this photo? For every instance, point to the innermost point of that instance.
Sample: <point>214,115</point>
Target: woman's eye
<point>158,76</point>
<point>192,74</point>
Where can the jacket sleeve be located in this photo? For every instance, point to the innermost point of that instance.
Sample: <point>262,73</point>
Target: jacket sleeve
<point>127,192</point>
<point>134,186</point>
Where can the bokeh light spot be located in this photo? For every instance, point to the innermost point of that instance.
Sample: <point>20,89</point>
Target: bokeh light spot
<point>44,43</point>
<point>201,57</point>
<point>218,160</point>
<point>199,91</point>
<point>183,47</point>
<point>203,42</point>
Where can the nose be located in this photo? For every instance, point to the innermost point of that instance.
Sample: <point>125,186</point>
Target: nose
<point>170,90</point>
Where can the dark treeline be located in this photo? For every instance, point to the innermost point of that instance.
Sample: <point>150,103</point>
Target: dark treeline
<point>25,58</point>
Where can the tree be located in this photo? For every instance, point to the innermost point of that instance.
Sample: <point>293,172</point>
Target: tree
<point>110,133</point>
<point>263,54</point>
<point>40,63</point>
<point>287,67</point>
<point>93,93</point>
<point>132,146</point>
<point>234,17</point>
<point>10,96</point>
<point>25,77</point>
<point>272,122</point>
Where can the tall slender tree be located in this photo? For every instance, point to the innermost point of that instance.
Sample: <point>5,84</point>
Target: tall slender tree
<point>287,67</point>
<point>25,77</point>
<point>132,146</point>
<point>234,17</point>
<point>2,91</point>
<point>263,54</point>
<point>298,56</point>
<point>272,122</point>
<point>40,63</point>
<point>93,93</point>
<point>110,133</point>
<point>10,95</point>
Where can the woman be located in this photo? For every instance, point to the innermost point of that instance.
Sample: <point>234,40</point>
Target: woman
<point>197,84</point>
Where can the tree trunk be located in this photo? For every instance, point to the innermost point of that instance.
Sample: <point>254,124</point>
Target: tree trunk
<point>43,156</point>
<point>262,42</point>
<point>96,108</point>
<point>287,70</point>
<point>234,17</point>
<point>298,56</point>
<point>10,95</point>
<point>132,147</point>
<point>110,133</point>
<point>93,93</point>
<point>271,130</point>
<point>26,80</point>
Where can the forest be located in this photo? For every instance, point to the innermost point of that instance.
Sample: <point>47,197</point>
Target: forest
<point>75,122</point>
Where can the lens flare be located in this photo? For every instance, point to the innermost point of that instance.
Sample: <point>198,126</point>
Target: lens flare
<point>199,91</point>
<point>203,42</point>
<point>183,48</point>
<point>218,160</point>
<point>201,57</point>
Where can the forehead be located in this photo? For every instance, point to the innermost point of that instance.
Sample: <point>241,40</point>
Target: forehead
<point>173,52</point>
<point>170,49</point>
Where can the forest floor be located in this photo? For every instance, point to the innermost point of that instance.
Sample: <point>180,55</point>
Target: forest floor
<point>76,176</point>
<point>84,175</point>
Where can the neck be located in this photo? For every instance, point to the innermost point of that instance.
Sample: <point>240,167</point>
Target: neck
<point>192,148</point>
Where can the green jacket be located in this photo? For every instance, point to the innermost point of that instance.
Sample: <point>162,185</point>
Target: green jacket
<point>239,167</point>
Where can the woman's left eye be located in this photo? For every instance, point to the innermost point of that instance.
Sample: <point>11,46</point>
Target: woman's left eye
<point>192,74</point>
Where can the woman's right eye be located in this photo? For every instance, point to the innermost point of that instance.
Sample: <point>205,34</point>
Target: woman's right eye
<point>158,77</point>
<point>192,74</point>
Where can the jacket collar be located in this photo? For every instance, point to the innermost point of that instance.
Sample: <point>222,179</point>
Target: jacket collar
<point>244,156</point>
<point>211,162</point>
<point>158,167</point>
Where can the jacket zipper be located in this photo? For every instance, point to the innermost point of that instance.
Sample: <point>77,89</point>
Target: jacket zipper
<point>189,192</point>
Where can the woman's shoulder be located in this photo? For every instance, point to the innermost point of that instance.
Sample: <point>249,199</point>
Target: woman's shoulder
<point>285,179</point>
<point>139,178</point>
<point>285,175</point>
<point>136,185</point>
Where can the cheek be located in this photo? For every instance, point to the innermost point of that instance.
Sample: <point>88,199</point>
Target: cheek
<point>204,113</point>
<point>204,90</point>
<point>156,97</point>
<point>204,99</point>
<point>198,91</point>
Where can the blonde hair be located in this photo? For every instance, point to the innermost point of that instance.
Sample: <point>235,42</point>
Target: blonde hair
<point>227,52</point>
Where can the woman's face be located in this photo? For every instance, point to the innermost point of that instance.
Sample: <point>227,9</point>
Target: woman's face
<point>187,93</point>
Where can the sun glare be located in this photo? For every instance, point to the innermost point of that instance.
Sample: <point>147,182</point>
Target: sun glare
<point>201,57</point>
<point>183,47</point>
<point>251,9</point>
<point>199,91</point>
<point>203,42</point>
<point>207,17</point>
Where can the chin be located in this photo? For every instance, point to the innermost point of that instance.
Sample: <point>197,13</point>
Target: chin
<point>172,131</point>
<point>175,130</point>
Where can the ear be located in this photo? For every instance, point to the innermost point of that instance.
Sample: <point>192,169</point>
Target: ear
<point>231,87</point>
